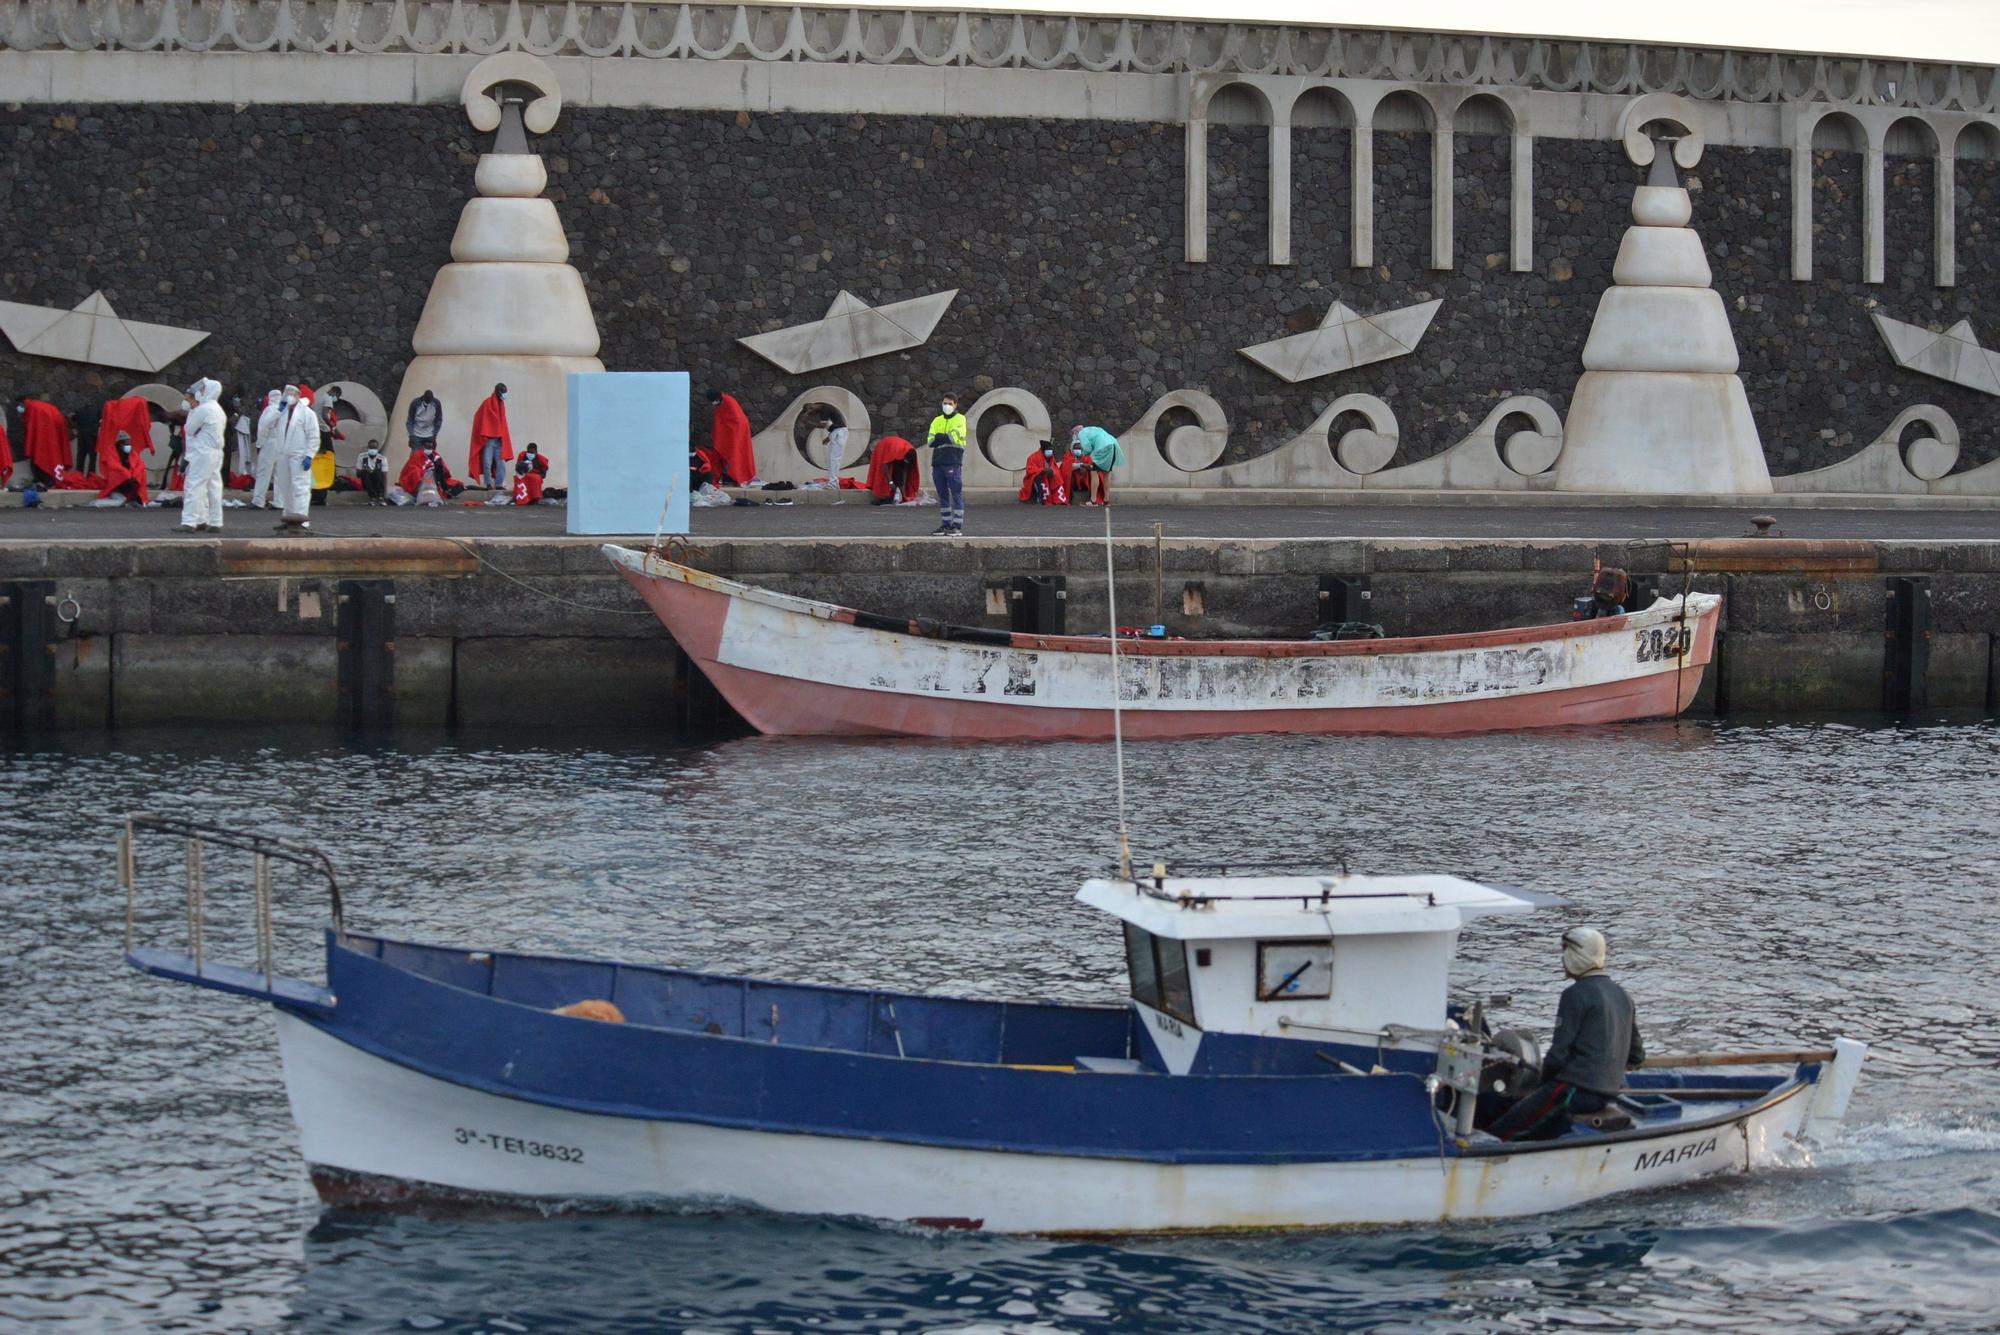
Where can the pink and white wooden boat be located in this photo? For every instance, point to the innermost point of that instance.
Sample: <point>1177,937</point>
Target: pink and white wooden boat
<point>793,666</point>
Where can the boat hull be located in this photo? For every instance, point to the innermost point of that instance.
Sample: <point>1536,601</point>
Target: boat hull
<point>794,667</point>
<point>374,1130</point>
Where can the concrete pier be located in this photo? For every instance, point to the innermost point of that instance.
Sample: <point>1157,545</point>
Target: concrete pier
<point>540,631</point>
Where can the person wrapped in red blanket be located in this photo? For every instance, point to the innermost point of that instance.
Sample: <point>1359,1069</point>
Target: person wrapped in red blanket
<point>427,460</point>
<point>892,471</point>
<point>45,439</point>
<point>704,469</point>
<point>529,471</point>
<point>1047,479</point>
<point>729,439</point>
<point>122,468</point>
<point>492,442</point>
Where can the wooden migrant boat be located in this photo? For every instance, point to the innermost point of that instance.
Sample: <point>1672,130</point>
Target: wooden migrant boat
<point>794,666</point>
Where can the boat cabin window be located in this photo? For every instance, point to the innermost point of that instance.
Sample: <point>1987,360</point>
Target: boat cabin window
<point>1159,969</point>
<point>1294,970</point>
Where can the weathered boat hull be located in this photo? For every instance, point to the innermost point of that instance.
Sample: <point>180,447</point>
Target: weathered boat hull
<point>792,666</point>
<point>377,1131</point>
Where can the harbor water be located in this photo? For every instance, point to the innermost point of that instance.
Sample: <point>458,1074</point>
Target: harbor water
<point>1762,885</point>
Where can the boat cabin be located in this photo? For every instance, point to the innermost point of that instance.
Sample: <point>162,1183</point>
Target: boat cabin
<point>1338,969</point>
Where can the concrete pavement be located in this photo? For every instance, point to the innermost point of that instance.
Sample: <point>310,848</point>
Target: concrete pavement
<point>823,522</point>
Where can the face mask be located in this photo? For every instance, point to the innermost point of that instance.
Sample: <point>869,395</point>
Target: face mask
<point>949,408</point>
<point>291,399</point>
<point>503,398</point>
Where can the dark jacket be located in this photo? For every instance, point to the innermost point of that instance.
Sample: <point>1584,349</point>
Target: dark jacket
<point>1597,1036</point>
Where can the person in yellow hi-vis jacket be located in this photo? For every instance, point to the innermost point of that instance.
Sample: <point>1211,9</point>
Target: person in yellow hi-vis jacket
<point>946,441</point>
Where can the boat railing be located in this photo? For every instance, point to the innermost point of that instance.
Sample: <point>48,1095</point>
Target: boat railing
<point>197,839</point>
<point>1325,895</point>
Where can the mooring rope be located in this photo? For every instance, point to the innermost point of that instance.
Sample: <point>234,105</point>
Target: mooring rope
<point>544,593</point>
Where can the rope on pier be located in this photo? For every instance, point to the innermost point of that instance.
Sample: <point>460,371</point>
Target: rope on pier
<point>544,593</point>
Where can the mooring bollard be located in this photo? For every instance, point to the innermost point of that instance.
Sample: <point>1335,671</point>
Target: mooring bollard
<point>366,643</point>
<point>27,657</point>
<point>1906,645</point>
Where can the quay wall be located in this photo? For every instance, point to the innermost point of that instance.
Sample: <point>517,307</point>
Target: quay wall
<point>306,244</point>
<point>1121,205</point>
<point>542,632</point>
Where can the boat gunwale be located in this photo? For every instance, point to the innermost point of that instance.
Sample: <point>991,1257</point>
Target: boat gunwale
<point>335,936</point>
<point>1699,605</point>
<point>761,1044</point>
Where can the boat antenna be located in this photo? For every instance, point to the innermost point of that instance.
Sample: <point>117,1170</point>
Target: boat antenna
<point>1117,712</point>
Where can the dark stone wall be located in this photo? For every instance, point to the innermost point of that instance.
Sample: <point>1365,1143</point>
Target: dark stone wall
<point>306,238</point>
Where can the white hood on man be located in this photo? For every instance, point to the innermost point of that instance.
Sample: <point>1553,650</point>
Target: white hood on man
<point>1583,952</point>
<point>270,413</point>
<point>302,426</point>
<point>207,424</point>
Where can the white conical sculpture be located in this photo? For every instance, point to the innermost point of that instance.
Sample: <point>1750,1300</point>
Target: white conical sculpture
<point>1660,409</point>
<point>508,309</point>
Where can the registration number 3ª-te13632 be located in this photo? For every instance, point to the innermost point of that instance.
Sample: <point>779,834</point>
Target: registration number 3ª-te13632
<point>533,1149</point>
<point>1664,642</point>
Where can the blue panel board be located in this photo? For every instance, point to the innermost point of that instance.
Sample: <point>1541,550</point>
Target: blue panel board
<point>628,451</point>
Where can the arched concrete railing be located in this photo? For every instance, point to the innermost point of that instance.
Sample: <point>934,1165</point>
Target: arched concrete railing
<point>775,34</point>
<point>1279,97</point>
<point>1871,125</point>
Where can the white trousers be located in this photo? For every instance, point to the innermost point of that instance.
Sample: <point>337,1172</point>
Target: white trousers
<point>267,466</point>
<point>295,484</point>
<point>201,497</point>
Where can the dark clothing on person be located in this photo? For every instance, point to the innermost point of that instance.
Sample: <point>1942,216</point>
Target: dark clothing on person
<point>1546,1110</point>
<point>425,419</point>
<point>89,420</point>
<point>1595,1043</point>
<point>1597,1036</point>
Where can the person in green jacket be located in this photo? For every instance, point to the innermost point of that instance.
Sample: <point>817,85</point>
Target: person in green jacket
<point>1104,452</point>
<point>946,441</point>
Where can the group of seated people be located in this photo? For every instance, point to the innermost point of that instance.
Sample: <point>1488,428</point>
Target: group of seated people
<point>426,478</point>
<point>1080,475</point>
<point>1056,477</point>
<point>893,474</point>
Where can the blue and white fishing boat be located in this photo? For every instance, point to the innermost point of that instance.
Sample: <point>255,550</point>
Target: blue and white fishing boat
<point>1289,1058</point>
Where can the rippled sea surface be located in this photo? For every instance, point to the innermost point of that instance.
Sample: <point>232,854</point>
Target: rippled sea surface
<point>1761,885</point>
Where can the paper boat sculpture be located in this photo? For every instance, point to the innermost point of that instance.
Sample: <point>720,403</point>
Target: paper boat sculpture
<point>850,331</point>
<point>94,333</point>
<point>1954,355</point>
<point>1344,340</point>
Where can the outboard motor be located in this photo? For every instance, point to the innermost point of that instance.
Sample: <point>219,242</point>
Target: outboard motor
<point>1513,1066</point>
<point>1610,596</point>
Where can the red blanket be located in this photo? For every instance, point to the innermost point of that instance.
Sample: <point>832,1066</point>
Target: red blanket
<point>412,476</point>
<point>488,421</point>
<point>892,462</point>
<point>730,439</point>
<point>132,416</point>
<point>528,479</point>
<point>45,437</point>
<point>1058,469</point>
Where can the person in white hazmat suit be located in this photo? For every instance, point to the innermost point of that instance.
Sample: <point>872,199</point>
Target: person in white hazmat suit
<point>206,431</point>
<point>270,430</point>
<point>299,444</point>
